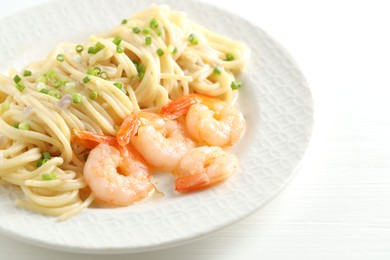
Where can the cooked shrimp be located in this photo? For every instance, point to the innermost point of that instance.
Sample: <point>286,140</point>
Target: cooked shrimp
<point>122,188</point>
<point>91,140</point>
<point>132,122</point>
<point>162,142</point>
<point>208,120</point>
<point>204,166</point>
<point>130,184</point>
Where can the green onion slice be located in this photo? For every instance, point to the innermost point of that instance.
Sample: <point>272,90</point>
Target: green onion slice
<point>235,85</point>
<point>118,85</point>
<point>46,155</point>
<point>104,75</point>
<point>160,52</point>
<point>20,87</point>
<point>148,40</point>
<point>79,48</point>
<point>27,73</point>
<point>49,176</point>
<point>60,57</point>
<point>217,70</point>
<point>77,98</point>
<point>120,49</point>
<point>229,56</point>
<point>193,39</point>
<point>54,93</point>
<point>117,40</point>
<point>24,126</point>
<point>93,95</point>
<point>86,79</point>
<point>146,30</point>
<point>153,23</point>
<point>17,79</point>
<point>136,30</point>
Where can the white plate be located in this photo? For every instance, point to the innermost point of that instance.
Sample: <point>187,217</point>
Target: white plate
<point>275,99</point>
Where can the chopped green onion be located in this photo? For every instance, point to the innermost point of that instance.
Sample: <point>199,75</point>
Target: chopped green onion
<point>141,68</point>
<point>85,156</point>
<point>16,125</point>
<point>153,23</point>
<point>86,79</point>
<point>118,85</point>
<point>44,158</point>
<point>146,30</point>
<point>104,75</point>
<point>60,57</point>
<point>120,49</point>
<point>148,40</point>
<point>141,75</point>
<point>42,79</point>
<point>217,70</point>
<point>158,32</point>
<point>91,50</point>
<point>17,79</point>
<point>93,95</point>
<point>92,72</point>
<point>141,71</point>
<point>59,83</point>
<point>160,52</point>
<point>42,161</point>
<point>124,21</point>
<point>97,70</point>
<point>79,48</point>
<point>24,126</point>
<point>171,48</point>
<point>20,87</point>
<point>193,39</point>
<point>235,85</point>
<point>98,47</point>
<point>229,56</point>
<point>49,176</point>
<point>27,73</point>
<point>117,40</point>
<point>51,74</point>
<point>54,93</point>
<point>44,91</point>
<point>136,30</point>
<point>77,98</point>
<point>46,155</point>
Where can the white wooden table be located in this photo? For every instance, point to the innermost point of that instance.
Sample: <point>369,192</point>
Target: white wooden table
<point>338,205</point>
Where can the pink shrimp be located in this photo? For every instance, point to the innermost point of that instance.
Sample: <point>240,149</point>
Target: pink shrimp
<point>208,120</point>
<point>124,187</point>
<point>203,167</point>
<point>162,142</point>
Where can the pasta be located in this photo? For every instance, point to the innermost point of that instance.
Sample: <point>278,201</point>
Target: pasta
<point>153,57</point>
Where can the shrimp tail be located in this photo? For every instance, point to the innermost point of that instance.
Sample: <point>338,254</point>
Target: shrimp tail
<point>181,106</point>
<point>128,129</point>
<point>197,181</point>
<point>91,140</point>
